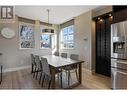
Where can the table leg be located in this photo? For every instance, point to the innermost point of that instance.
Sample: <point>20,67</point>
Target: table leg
<point>53,77</point>
<point>80,73</point>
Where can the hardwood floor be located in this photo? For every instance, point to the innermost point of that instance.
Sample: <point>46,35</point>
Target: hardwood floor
<point>23,79</point>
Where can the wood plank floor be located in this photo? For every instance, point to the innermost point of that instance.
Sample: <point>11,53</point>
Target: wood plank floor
<point>23,79</point>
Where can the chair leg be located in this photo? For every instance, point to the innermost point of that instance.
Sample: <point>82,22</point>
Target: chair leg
<point>58,76</point>
<point>32,69</point>
<point>49,84</point>
<point>42,81</point>
<point>66,74</point>
<point>68,78</point>
<point>37,74</point>
<point>61,80</point>
<point>40,78</point>
<point>76,74</point>
<point>34,72</point>
<point>1,74</point>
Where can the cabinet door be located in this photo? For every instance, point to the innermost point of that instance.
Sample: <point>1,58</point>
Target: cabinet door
<point>98,47</point>
<point>103,47</point>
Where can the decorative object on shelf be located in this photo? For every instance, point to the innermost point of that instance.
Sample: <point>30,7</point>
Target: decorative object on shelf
<point>26,36</point>
<point>48,30</point>
<point>7,33</point>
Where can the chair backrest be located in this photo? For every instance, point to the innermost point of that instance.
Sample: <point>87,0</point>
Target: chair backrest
<point>56,53</point>
<point>45,66</point>
<point>64,55</point>
<point>37,61</point>
<point>32,59</point>
<point>74,56</point>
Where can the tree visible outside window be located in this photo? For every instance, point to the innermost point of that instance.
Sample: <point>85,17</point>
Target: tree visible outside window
<point>26,37</point>
<point>45,41</point>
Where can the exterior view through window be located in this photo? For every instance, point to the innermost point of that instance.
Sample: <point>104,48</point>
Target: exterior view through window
<point>67,37</point>
<point>45,41</point>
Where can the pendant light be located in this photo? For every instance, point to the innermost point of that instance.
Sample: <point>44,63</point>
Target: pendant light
<point>48,30</point>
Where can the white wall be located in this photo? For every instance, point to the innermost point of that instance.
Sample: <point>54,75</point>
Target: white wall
<point>13,57</point>
<point>83,30</point>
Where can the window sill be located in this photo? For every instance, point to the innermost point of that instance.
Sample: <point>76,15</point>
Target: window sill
<point>25,48</point>
<point>67,48</point>
<point>45,48</point>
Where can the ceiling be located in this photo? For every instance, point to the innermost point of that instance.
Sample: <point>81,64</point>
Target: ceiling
<point>57,14</point>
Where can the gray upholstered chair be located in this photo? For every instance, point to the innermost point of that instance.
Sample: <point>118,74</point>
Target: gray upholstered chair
<point>74,56</point>
<point>74,68</point>
<point>33,64</point>
<point>47,72</point>
<point>38,65</point>
<point>64,55</point>
<point>56,53</point>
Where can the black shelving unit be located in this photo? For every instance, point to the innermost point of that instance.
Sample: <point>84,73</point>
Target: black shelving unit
<point>103,41</point>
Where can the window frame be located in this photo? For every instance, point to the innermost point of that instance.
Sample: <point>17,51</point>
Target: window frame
<point>33,30</point>
<point>50,38</point>
<point>62,38</point>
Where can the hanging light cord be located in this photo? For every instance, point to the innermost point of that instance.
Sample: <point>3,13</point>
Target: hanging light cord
<point>48,15</point>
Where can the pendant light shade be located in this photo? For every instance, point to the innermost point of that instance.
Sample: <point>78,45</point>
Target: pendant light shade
<point>48,30</point>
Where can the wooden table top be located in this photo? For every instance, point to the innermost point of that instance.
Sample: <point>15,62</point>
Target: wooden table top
<point>58,61</point>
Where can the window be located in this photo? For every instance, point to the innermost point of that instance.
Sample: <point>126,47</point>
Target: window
<point>67,37</point>
<point>45,41</point>
<point>54,42</point>
<point>26,37</point>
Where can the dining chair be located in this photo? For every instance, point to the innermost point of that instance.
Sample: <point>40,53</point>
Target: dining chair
<point>33,64</point>
<point>56,53</point>
<point>74,56</point>
<point>38,65</point>
<point>64,55</point>
<point>74,68</point>
<point>47,72</point>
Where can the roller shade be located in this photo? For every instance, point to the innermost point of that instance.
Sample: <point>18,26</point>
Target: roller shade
<point>66,24</point>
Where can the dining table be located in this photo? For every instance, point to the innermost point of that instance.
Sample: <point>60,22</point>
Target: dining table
<point>58,62</point>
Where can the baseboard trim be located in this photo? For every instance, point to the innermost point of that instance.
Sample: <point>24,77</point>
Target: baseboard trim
<point>16,69</point>
<point>88,70</point>
<point>93,71</point>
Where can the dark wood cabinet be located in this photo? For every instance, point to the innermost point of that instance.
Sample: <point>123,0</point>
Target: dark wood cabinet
<point>103,38</point>
<point>119,13</point>
<point>103,31</point>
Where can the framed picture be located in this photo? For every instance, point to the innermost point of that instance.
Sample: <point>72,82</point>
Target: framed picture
<point>26,36</point>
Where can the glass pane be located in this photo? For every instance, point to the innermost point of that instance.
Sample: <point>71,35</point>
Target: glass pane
<point>65,45</point>
<point>71,45</point>
<point>26,37</point>
<point>65,30</point>
<point>70,30</point>
<point>65,38</point>
<point>45,41</point>
<point>70,37</point>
